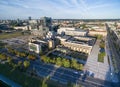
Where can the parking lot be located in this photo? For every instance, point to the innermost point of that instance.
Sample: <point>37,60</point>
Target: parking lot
<point>68,54</point>
<point>58,73</point>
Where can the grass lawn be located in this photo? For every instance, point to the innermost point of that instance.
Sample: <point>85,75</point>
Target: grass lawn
<point>10,35</point>
<point>19,77</point>
<point>101,56</point>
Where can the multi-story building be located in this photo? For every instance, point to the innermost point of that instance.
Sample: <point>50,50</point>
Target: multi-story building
<point>77,46</point>
<point>37,46</point>
<point>97,32</point>
<point>116,38</point>
<point>46,21</point>
<point>42,25</point>
<point>72,32</point>
<point>51,44</point>
<point>21,27</point>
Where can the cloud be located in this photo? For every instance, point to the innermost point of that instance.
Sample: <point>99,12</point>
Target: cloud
<point>55,8</point>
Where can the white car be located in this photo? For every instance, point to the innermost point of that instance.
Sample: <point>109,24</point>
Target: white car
<point>76,72</point>
<point>81,74</point>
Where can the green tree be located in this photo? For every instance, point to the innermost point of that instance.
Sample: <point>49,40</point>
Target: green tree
<point>9,59</point>
<point>48,59</point>
<point>26,64</point>
<point>80,66</point>
<point>98,36</point>
<point>59,61</point>
<point>66,63</point>
<point>74,63</point>
<point>3,56</point>
<point>102,44</point>
<point>22,54</point>
<point>44,84</point>
<point>31,57</point>
<point>20,63</point>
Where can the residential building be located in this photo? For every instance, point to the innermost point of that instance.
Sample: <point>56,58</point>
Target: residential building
<point>42,25</point>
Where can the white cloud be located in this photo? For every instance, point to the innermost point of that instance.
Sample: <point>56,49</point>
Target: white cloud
<point>54,8</point>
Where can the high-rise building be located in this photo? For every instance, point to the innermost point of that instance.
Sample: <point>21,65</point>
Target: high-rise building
<point>41,26</point>
<point>46,22</point>
<point>51,44</point>
<point>29,18</point>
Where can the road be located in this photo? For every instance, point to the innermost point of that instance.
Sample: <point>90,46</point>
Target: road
<point>114,54</point>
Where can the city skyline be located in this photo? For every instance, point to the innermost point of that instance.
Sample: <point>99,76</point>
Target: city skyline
<point>73,9</point>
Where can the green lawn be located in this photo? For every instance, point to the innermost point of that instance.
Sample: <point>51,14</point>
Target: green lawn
<point>10,35</point>
<point>101,57</point>
<point>19,77</point>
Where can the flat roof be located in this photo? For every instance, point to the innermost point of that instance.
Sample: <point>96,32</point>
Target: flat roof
<point>39,42</point>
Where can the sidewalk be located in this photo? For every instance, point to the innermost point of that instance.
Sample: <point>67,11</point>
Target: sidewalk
<point>100,70</point>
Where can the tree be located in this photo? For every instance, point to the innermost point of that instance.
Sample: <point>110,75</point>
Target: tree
<point>20,63</point>
<point>74,63</point>
<point>31,57</point>
<point>59,61</point>
<point>45,59</point>
<point>81,66</point>
<point>102,44</point>
<point>3,56</point>
<point>44,84</point>
<point>26,64</point>
<point>83,26</point>
<point>22,54</point>
<point>99,36</point>
<point>67,63</point>
<point>9,59</point>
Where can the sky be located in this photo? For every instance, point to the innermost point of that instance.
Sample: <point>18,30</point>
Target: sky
<point>60,9</point>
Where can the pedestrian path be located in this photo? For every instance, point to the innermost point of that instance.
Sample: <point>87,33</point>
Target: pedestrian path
<point>100,70</point>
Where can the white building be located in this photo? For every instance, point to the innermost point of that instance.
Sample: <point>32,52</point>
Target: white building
<point>21,27</point>
<point>35,47</point>
<point>50,35</point>
<point>72,32</point>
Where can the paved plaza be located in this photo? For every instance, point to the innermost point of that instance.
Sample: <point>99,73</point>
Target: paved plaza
<point>100,70</point>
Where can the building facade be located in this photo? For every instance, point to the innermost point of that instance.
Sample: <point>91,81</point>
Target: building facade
<point>77,47</point>
<point>35,47</point>
<point>72,32</point>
